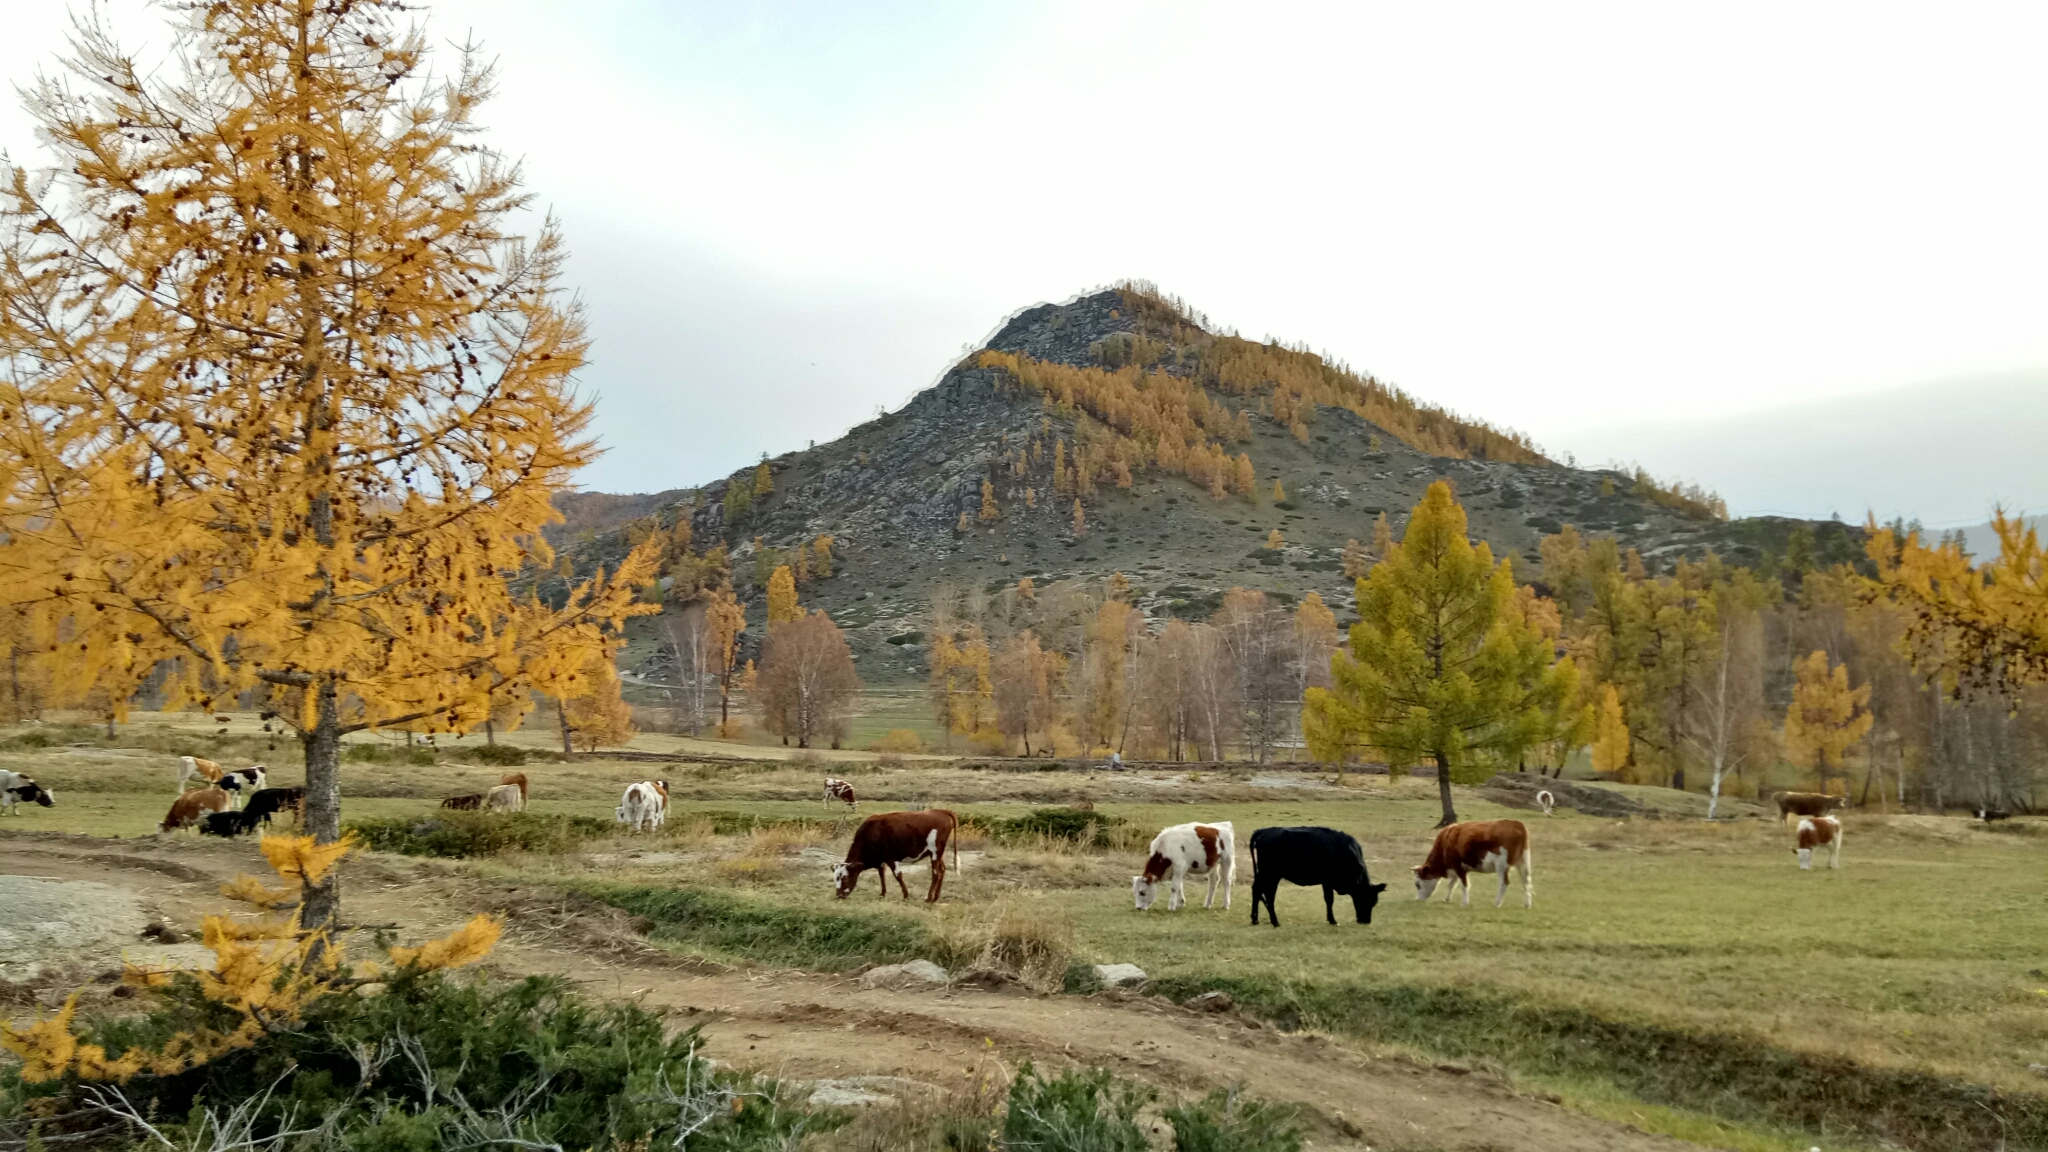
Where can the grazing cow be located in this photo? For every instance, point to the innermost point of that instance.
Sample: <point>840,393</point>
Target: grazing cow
<point>16,789</point>
<point>888,839</point>
<point>241,782</point>
<point>1311,857</point>
<point>1477,846</point>
<point>192,806</point>
<point>194,768</point>
<point>643,806</point>
<point>518,779</point>
<point>1546,801</point>
<point>503,798</point>
<point>1814,832</point>
<point>465,803</point>
<point>1792,804</point>
<point>1202,850</point>
<point>840,790</point>
<point>1987,815</point>
<point>269,802</point>
<point>228,824</point>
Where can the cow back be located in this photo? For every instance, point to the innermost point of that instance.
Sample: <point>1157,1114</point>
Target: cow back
<point>892,837</point>
<point>1310,856</point>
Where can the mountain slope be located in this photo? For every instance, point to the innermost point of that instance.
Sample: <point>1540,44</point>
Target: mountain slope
<point>1156,398</point>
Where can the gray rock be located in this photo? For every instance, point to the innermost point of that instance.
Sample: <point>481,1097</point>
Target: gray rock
<point>1212,1002</point>
<point>912,976</point>
<point>1120,975</point>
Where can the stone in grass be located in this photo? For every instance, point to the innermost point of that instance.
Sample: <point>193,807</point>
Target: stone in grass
<point>911,976</point>
<point>1126,976</point>
<point>1211,1002</point>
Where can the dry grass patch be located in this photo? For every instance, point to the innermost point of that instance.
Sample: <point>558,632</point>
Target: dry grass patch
<point>1023,938</point>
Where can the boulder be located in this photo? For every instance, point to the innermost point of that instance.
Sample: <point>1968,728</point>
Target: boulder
<point>1125,976</point>
<point>912,976</point>
<point>1211,1002</point>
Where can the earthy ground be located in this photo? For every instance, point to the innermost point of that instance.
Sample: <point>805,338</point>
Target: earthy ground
<point>822,1027</point>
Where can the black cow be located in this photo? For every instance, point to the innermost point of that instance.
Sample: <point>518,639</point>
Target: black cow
<point>1311,857</point>
<point>229,823</point>
<point>268,802</point>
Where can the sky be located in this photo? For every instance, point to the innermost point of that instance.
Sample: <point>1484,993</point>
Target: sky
<point>1791,252</point>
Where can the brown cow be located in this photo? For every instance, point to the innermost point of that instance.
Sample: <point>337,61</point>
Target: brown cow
<point>194,768</point>
<point>1792,804</point>
<point>888,839</point>
<point>192,807</point>
<point>1477,846</point>
<point>469,803</point>
<point>840,790</point>
<point>1814,832</point>
<point>518,778</point>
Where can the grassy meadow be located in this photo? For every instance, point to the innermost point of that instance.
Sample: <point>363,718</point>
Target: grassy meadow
<point>1667,964</point>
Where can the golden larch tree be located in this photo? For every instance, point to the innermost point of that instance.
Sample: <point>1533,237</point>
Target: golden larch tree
<point>1355,560</point>
<point>1275,541</point>
<point>764,481</point>
<point>1984,624</point>
<point>1610,733</point>
<point>821,556</point>
<point>782,605</point>
<point>1825,718</point>
<point>1080,521</point>
<point>1247,477</point>
<point>988,501</point>
<point>1279,493</point>
<point>287,400</point>
<point>600,717</point>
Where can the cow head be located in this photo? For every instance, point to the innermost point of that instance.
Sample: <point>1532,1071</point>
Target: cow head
<point>30,790</point>
<point>843,880</point>
<point>1365,900</point>
<point>1424,885</point>
<point>1143,891</point>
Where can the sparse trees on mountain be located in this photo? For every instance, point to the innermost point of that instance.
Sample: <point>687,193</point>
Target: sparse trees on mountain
<point>989,511</point>
<point>807,684</point>
<point>287,401</point>
<point>1274,541</point>
<point>1080,521</point>
<point>1441,666</point>
<point>782,605</point>
<point>1279,492</point>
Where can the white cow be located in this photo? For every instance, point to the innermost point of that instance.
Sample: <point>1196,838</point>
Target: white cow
<point>504,798</point>
<point>643,807</point>
<point>1202,850</point>
<point>16,788</point>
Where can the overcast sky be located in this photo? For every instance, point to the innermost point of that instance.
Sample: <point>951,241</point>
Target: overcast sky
<point>1793,252</point>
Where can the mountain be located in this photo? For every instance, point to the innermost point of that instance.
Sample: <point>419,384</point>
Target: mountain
<point>1149,410</point>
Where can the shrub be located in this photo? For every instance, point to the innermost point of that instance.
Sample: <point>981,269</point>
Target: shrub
<point>898,740</point>
<point>498,755</point>
<point>1027,942</point>
<point>771,933</point>
<point>413,755</point>
<point>436,1063</point>
<point>1221,1122</point>
<point>461,834</point>
<point>1081,1111</point>
<point>1085,828</point>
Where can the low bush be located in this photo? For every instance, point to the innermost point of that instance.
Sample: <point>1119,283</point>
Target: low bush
<point>403,755</point>
<point>770,933</point>
<point>498,755</point>
<point>431,1062</point>
<point>1026,941</point>
<point>898,740</point>
<point>1079,1111</point>
<point>1225,1122</point>
<point>1080,826</point>
<point>463,834</point>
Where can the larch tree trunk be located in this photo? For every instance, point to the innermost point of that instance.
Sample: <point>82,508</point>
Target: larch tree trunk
<point>322,745</point>
<point>1443,792</point>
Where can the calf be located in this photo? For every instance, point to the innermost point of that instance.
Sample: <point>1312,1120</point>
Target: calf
<point>268,802</point>
<point>192,806</point>
<point>241,782</point>
<point>841,791</point>
<point>504,798</point>
<point>17,789</point>
<point>643,807</point>
<point>194,768</point>
<point>1815,832</point>
<point>517,779</point>
<point>1203,850</point>
<point>1311,857</point>
<point>1546,801</point>
<point>1792,804</point>
<point>466,803</point>
<point>229,823</point>
<point>888,839</point>
<point>1477,846</point>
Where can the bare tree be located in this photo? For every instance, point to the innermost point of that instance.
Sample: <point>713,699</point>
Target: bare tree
<point>807,682</point>
<point>1729,695</point>
<point>693,656</point>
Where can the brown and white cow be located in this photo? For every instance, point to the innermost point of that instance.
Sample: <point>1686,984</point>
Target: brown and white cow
<point>889,839</point>
<point>1818,832</point>
<point>192,807</point>
<point>1546,801</point>
<point>504,798</point>
<point>194,768</point>
<point>644,806</point>
<point>1477,846</point>
<point>1200,850</point>
<point>517,779</point>
<point>1792,804</point>
<point>840,790</point>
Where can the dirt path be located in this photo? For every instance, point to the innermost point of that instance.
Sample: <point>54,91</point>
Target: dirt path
<point>801,1025</point>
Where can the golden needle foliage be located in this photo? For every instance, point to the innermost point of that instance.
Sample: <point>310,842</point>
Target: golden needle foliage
<point>1986,623</point>
<point>287,403</point>
<point>268,971</point>
<point>1825,718</point>
<point>1610,733</point>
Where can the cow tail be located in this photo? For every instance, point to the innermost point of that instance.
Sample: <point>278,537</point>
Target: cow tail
<point>955,838</point>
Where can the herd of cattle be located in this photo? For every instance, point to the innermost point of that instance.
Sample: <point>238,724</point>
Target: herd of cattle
<point>232,802</point>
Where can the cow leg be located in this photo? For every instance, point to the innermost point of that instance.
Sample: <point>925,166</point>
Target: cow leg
<point>882,875</point>
<point>1835,850</point>
<point>900,885</point>
<point>1806,859</point>
<point>1466,879</point>
<point>1501,897</point>
<point>1528,881</point>
<point>1177,897</point>
<point>1330,904</point>
<point>1209,900</point>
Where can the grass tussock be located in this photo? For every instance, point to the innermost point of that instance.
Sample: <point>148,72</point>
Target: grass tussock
<point>468,834</point>
<point>726,926</point>
<point>1029,941</point>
